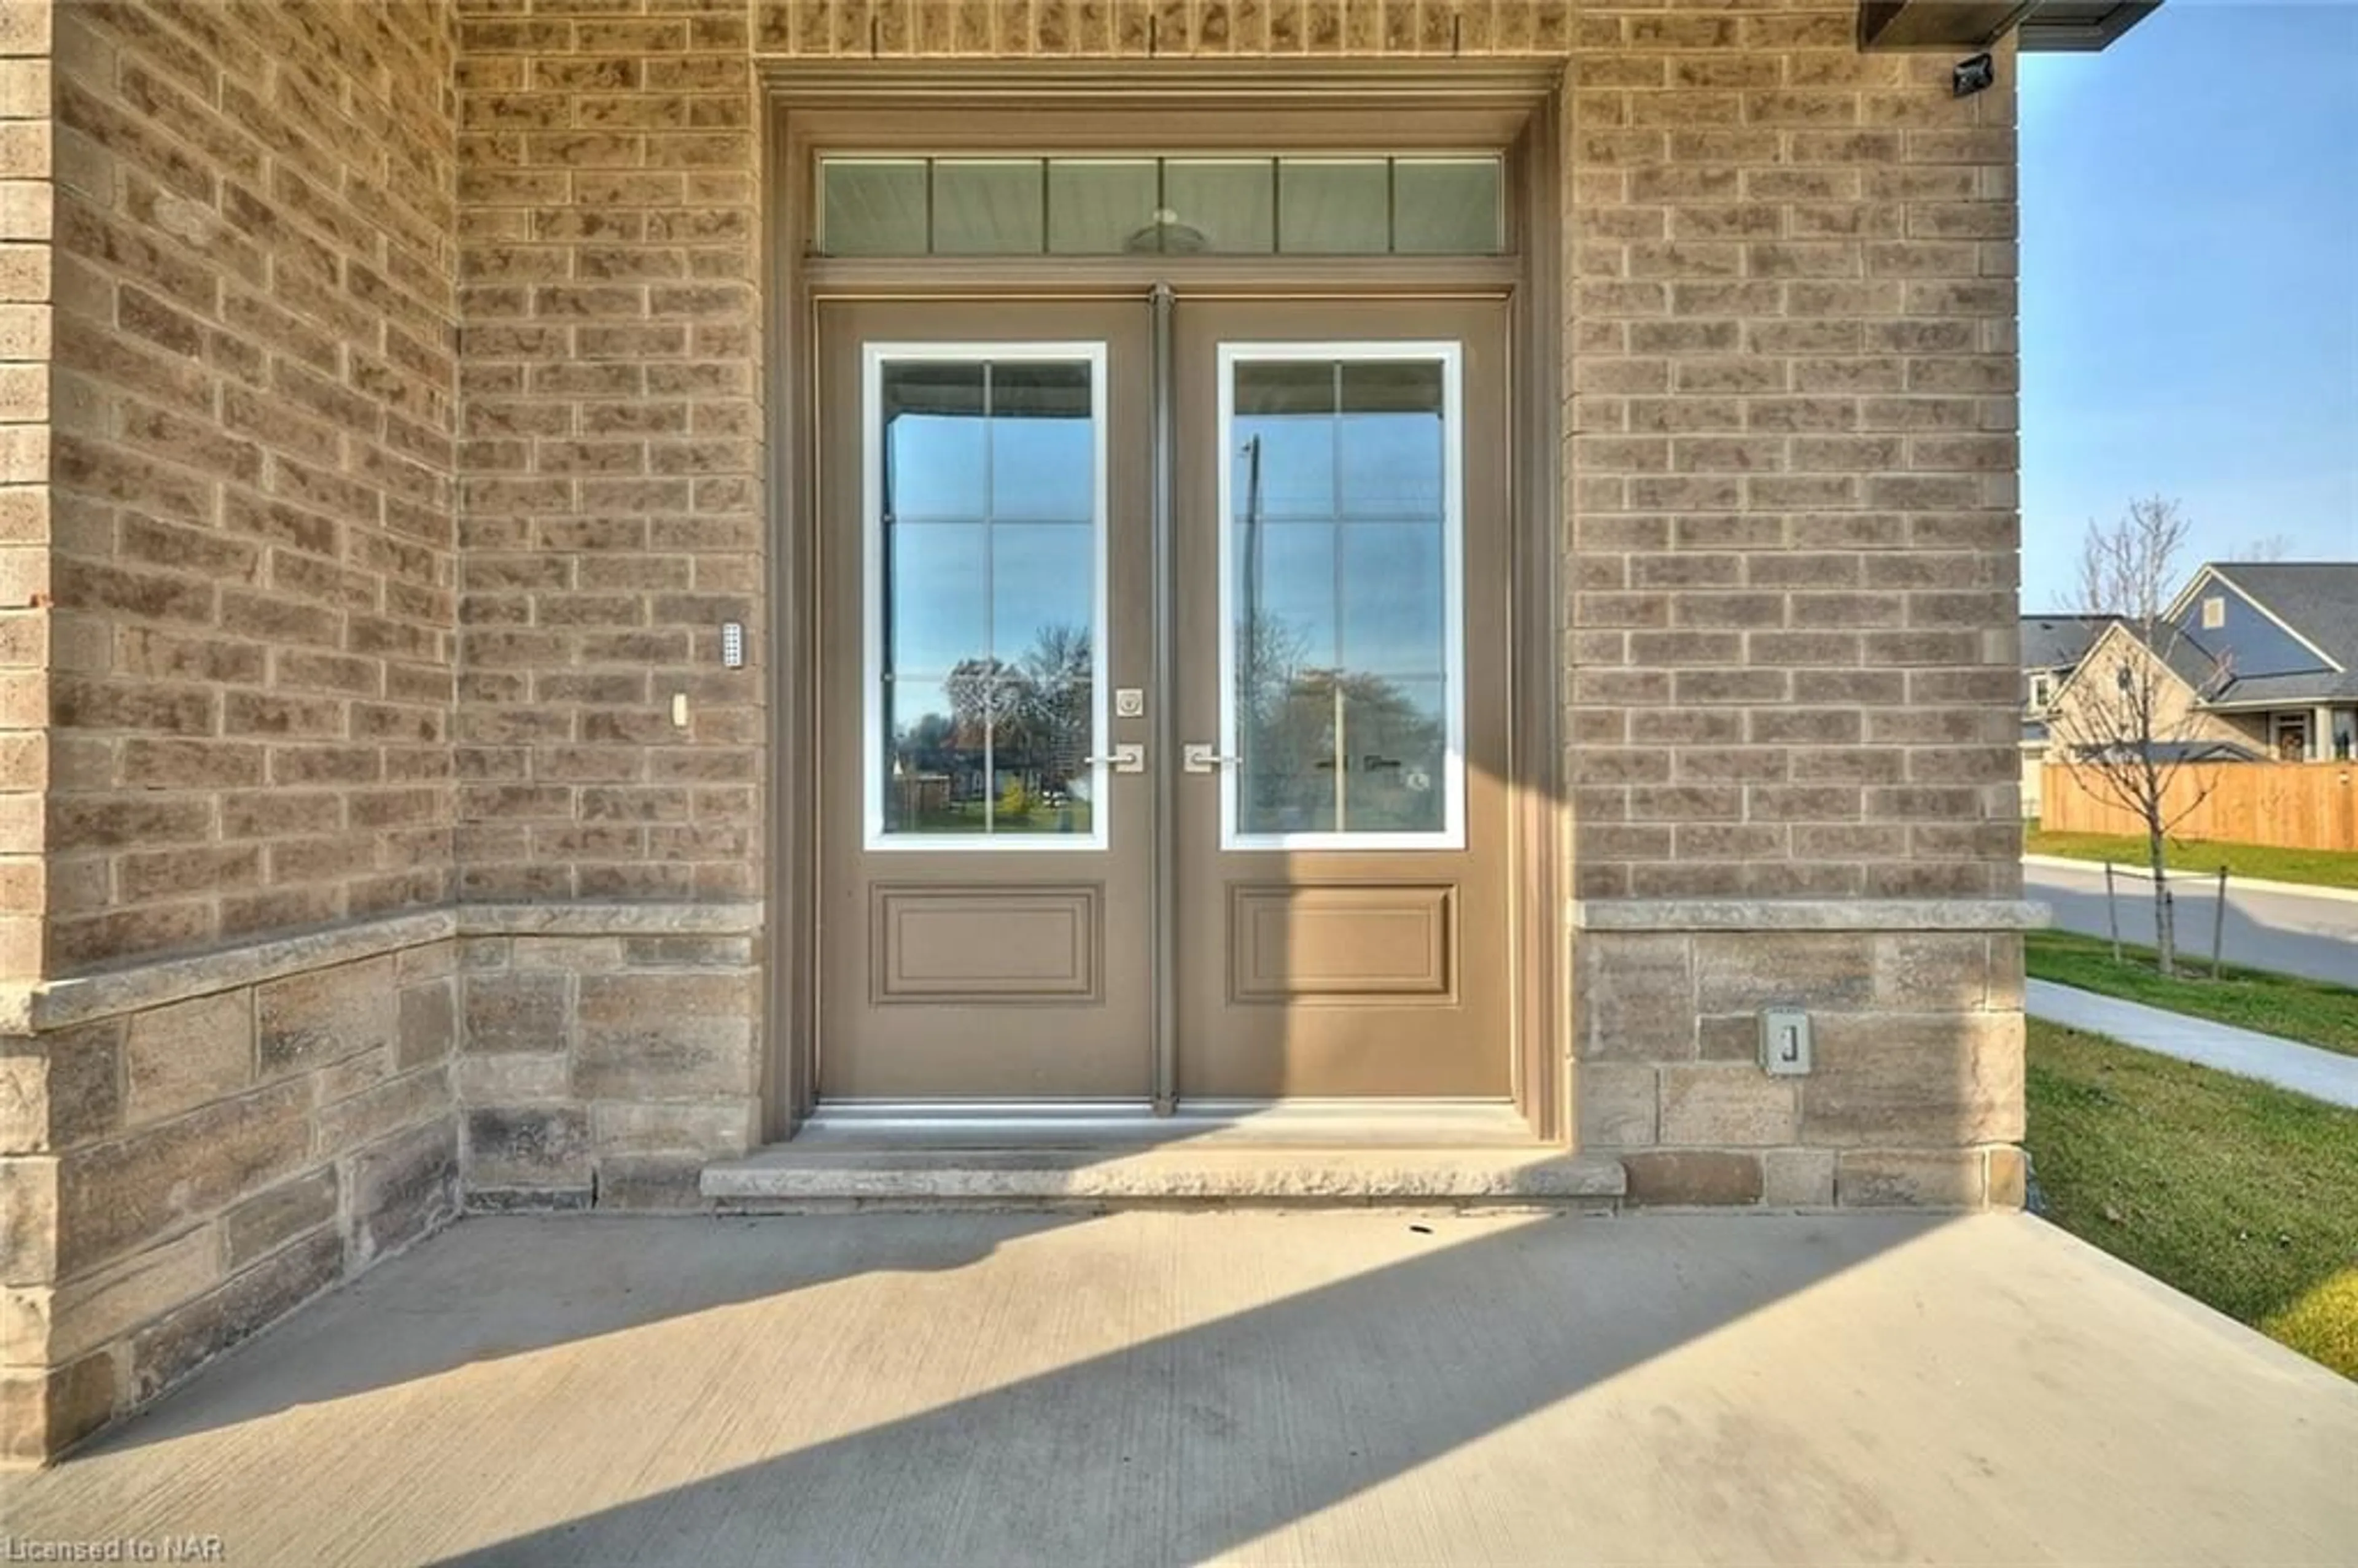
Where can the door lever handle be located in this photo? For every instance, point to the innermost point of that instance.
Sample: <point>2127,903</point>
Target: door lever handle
<point>1127,757</point>
<point>1203,757</point>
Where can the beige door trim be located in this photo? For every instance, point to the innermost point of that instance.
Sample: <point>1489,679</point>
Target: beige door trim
<point>1510,105</point>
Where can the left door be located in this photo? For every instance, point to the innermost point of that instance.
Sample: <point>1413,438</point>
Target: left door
<point>985,845</point>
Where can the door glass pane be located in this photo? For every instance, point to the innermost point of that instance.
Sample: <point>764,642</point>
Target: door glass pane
<point>989,206</point>
<point>1332,208</point>
<point>1284,440</point>
<point>1395,737</point>
<point>1043,445</point>
<point>989,557</point>
<point>1391,618</point>
<point>1342,573</point>
<point>936,616</point>
<point>933,442</point>
<point>1100,207</point>
<point>934,761</point>
<point>1390,439</point>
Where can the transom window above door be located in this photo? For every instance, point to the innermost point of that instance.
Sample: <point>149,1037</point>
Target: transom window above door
<point>1125,204</point>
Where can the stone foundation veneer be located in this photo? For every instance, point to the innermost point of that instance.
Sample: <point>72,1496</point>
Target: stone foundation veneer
<point>1915,1098</point>
<point>191,1149</point>
<point>607,1053</point>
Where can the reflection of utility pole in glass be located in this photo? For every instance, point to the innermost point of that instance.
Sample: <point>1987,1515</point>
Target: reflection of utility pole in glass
<point>1252,666</point>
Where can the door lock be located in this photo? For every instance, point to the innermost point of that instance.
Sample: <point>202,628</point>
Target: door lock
<point>1128,757</point>
<point>1203,757</point>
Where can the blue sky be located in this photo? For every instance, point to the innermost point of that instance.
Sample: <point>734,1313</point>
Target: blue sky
<point>2190,298</point>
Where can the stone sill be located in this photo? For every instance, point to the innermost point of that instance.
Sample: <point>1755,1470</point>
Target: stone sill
<point>38,1008</point>
<point>784,1178</point>
<point>1673,914</point>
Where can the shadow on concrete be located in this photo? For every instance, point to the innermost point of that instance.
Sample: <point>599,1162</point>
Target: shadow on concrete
<point>1186,1445</point>
<point>527,1298</point>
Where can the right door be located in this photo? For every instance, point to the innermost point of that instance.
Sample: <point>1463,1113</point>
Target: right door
<point>1342,821</point>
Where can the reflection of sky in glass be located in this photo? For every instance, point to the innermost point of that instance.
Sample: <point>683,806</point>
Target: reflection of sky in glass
<point>1390,465</point>
<point>1033,585</point>
<point>1348,552</point>
<point>938,616</point>
<point>935,464</point>
<point>1391,600</point>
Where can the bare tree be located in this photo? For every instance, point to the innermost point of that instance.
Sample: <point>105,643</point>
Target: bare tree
<point>2127,719</point>
<point>2266,547</point>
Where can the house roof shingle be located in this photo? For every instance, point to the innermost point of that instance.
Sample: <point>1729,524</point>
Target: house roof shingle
<point>2058,642</point>
<point>2319,599</point>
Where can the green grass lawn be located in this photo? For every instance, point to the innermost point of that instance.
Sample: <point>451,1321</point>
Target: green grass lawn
<point>2319,867</point>
<point>2309,1011</point>
<point>2243,1196</point>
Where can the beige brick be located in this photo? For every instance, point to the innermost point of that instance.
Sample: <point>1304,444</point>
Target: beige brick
<point>188,1053</point>
<point>1915,1080</point>
<point>1636,999</point>
<point>1724,1104</point>
<point>1797,1178</point>
<point>104,1306</point>
<point>1739,971</point>
<point>1940,1178</point>
<point>1617,1103</point>
<point>708,1131</point>
<point>1692,1178</point>
<point>318,1019</point>
<point>117,1195</point>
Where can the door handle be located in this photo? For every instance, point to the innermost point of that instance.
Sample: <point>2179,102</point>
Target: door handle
<point>1203,757</point>
<point>1127,757</point>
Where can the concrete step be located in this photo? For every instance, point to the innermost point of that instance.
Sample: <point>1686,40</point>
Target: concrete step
<point>823,1172</point>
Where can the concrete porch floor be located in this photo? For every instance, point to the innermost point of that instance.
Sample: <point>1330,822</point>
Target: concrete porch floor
<point>1314,1388</point>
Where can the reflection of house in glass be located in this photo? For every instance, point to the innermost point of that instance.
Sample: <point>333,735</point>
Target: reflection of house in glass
<point>1009,754</point>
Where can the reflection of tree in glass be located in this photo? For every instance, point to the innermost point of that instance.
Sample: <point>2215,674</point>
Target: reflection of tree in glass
<point>1292,715</point>
<point>1037,716</point>
<point>1055,716</point>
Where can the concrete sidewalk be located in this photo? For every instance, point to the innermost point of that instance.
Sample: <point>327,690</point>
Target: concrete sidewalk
<point>2288,1064</point>
<point>1155,1386</point>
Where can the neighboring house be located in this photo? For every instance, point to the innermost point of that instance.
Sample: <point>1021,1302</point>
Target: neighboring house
<point>594,588</point>
<point>2284,637</point>
<point>2052,647</point>
<point>2252,661</point>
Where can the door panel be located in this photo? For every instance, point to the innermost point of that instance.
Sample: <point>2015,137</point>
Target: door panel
<point>984,870</point>
<point>1343,634</point>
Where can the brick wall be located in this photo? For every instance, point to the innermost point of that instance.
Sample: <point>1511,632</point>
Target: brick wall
<point>612,513</point>
<point>26,208</point>
<point>1791,311</point>
<point>252,650</point>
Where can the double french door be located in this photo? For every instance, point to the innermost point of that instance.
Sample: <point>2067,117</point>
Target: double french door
<point>1163,704</point>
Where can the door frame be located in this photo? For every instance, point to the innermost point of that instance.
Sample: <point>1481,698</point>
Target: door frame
<point>1494,106</point>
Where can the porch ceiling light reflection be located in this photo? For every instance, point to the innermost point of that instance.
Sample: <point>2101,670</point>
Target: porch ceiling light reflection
<point>1168,235</point>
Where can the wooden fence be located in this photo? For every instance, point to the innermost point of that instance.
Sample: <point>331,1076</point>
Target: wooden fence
<point>2294,805</point>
